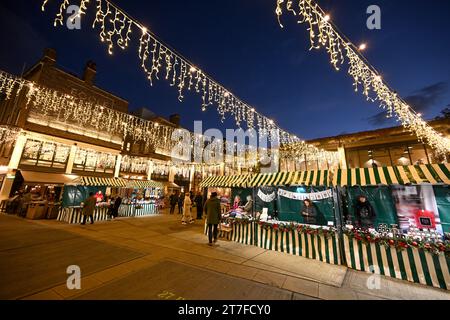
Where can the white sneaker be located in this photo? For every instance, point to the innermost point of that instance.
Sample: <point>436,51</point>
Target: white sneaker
<point>184,223</point>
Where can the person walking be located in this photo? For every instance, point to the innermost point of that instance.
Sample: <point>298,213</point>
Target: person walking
<point>173,200</point>
<point>89,208</point>
<point>187,206</point>
<point>199,204</point>
<point>213,213</point>
<point>117,204</point>
<point>180,204</point>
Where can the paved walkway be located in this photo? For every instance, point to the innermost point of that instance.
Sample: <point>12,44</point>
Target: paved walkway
<point>158,258</point>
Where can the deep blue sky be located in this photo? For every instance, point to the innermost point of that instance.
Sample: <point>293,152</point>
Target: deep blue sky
<point>240,44</point>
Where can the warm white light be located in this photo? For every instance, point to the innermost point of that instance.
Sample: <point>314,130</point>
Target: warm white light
<point>193,69</point>
<point>362,47</point>
<point>327,18</point>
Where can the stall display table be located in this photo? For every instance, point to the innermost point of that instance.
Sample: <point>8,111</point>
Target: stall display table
<point>412,264</point>
<point>37,211</point>
<point>138,210</point>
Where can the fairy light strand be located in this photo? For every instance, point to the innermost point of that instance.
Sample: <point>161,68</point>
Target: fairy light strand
<point>324,34</point>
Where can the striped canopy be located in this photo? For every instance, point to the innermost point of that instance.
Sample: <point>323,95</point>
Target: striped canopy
<point>100,182</point>
<point>297,178</point>
<point>430,173</point>
<point>227,181</point>
<point>142,184</point>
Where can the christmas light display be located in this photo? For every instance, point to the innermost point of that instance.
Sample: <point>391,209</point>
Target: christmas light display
<point>323,34</point>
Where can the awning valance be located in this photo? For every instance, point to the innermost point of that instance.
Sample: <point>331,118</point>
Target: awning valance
<point>100,182</point>
<point>142,184</point>
<point>297,178</point>
<point>47,178</point>
<point>227,181</point>
<point>430,174</point>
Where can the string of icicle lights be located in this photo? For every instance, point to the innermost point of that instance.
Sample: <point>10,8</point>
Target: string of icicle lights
<point>323,34</point>
<point>159,61</point>
<point>49,104</point>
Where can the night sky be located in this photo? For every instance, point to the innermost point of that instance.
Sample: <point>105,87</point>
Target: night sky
<point>240,44</point>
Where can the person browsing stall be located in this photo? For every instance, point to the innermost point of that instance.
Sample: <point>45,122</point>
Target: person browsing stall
<point>309,212</point>
<point>213,214</point>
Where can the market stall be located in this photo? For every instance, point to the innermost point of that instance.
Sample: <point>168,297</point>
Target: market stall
<point>406,233</point>
<point>141,198</point>
<point>281,226</point>
<point>78,191</point>
<point>235,226</point>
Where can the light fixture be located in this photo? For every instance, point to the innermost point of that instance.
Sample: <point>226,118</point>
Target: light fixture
<point>362,47</point>
<point>327,17</point>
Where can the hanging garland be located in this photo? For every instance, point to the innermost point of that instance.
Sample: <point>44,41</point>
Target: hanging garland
<point>267,197</point>
<point>400,243</point>
<point>326,232</point>
<point>323,33</point>
<point>315,196</point>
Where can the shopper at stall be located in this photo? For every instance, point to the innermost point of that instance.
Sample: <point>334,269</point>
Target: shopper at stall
<point>89,208</point>
<point>25,200</point>
<point>187,214</point>
<point>213,213</point>
<point>173,202</point>
<point>309,212</point>
<point>237,202</point>
<point>180,204</point>
<point>364,213</point>
<point>199,204</point>
<point>248,208</point>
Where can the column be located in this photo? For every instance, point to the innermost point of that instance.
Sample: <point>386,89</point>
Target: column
<point>12,166</point>
<point>172,174</point>
<point>191,177</point>
<point>342,158</point>
<point>150,170</point>
<point>71,159</point>
<point>118,164</point>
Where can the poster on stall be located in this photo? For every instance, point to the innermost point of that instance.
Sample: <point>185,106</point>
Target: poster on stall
<point>416,207</point>
<point>266,199</point>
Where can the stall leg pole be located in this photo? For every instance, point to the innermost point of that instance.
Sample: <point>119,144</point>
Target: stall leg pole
<point>338,216</point>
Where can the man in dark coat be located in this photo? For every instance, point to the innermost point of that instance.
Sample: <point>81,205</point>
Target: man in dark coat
<point>364,213</point>
<point>173,202</point>
<point>89,208</point>
<point>199,204</point>
<point>117,204</point>
<point>214,214</point>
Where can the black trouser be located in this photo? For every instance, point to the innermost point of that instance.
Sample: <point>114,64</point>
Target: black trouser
<point>172,208</point>
<point>213,230</point>
<point>199,212</point>
<point>180,208</point>
<point>91,217</point>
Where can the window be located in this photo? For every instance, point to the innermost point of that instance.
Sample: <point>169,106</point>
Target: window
<point>93,161</point>
<point>45,154</point>
<point>418,154</point>
<point>134,165</point>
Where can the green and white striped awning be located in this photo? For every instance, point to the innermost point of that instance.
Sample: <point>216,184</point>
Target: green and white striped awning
<point>297,178</point>
<point>227,181</point>
<point>100,182</point>
<point>430,173</point>
<point>143,184</point>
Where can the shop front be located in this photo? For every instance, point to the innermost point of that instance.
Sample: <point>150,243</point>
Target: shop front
<point>275,220</point>
<point>397,222</point>
<point>138,198</point>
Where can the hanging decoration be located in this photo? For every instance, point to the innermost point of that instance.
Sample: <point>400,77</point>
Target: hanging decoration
<point>8,134</point>
<point>159,61</point>
<point>266,197</point>
<point>324,34</point>
<point>315,196</point>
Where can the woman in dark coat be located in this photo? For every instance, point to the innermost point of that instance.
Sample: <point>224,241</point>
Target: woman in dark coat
<point>309,212</point>
<point>364,213</point>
